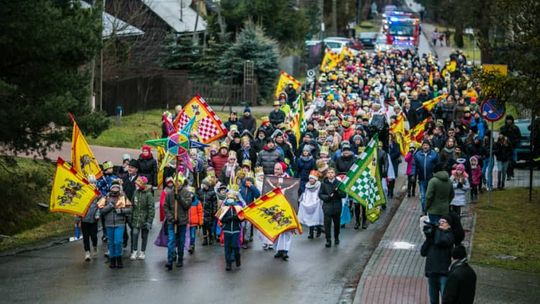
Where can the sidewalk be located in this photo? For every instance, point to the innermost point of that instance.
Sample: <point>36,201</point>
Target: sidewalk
<point>443,52</point>
<point>395,271</point>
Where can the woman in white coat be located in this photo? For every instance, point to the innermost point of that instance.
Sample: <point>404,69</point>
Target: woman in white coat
<point>310,211</point>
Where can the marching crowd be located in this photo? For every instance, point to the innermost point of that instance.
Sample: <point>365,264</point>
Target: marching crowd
<point>447,160</point>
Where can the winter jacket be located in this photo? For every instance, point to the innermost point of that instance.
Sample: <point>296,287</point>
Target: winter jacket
<point>268,158</point>
<point>230,222</point>
<point>209,202</point>
<point>115,217</point>
<point>460,191</point>
<point>236,122</point>
<point>382,161</point>
<point>218,161</point>
<point>183,201</point>
<point>476,175</point>
<point>248,123</point>
<point>276,117</point>
<point>409,159</point>
<point>502,153</point>
<point>439,194</point>
<point>90,216</point>
<point>331,197</point>
<point>223,178</point>
<point>196,216</point>
<point>512,132</point>
<point>248,195</point>
<point>287,151</point>
<point>251,155</point>
<point>424,163</point>
<point>148,168</point>
<point>105,182</point>
<point>438,251</point>
<point>143,208</point>
<point>304,166</point>
<point>460,285</point>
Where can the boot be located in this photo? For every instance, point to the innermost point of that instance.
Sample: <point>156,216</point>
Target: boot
<point>191,249</point>
<point>180,262</point>
<point>499,182</point>
<point>328,244</point>
<point>237,259</point>
<point>112,262</point>
<point>311,229</point>
<point>229,266</point>
<point>119,263</point>
<point>279,254</point>
<point>285,256</point>
<point>205,242</point>
<point>87,256</point>
<point>319,231</point>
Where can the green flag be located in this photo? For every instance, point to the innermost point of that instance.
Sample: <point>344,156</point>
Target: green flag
<point>363,182</point>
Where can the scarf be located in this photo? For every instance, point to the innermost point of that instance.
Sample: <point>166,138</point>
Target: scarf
<point>306,158</point>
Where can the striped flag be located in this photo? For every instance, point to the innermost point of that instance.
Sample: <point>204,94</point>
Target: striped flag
<point>430,104</point>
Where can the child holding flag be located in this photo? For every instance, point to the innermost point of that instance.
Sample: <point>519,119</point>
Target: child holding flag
<point>231,225</point>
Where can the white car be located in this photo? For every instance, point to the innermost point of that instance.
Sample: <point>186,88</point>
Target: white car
<point>336,44</point>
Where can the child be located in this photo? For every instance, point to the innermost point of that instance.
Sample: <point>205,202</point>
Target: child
<point>142,217</point>
<point>310,211</point>
<point>195,220</point>
<point>89,227</point>
<point>411,179</point>
<point>460,182</point>
<point>207,197</point>
<point>476,177</point>
<point>231,225</point>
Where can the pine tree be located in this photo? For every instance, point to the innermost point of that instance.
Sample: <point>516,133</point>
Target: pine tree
<point>251,44</point>
<point>180,52</point>
<point>207,66</point>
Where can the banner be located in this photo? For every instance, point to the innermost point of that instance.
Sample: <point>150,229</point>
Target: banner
<point>398,129</point>
<point>272,214</point>
<point>82,157</point>
<point>298,122</point>
<point>71,193</point>
<point>284,80</point>
<point>207,124</point>
<point>430,104</point>
<point>363,182</point>
<point>289,187</point>
<point>330,61</point>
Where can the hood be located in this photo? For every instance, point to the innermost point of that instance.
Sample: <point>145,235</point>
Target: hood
<point>266,148</point>
<point>442,175</point>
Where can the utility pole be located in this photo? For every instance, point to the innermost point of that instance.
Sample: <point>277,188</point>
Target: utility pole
<point>334,17</point>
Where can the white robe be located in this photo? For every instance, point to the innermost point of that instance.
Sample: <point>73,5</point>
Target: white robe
<point>310,211</point>
<point>284,241</point>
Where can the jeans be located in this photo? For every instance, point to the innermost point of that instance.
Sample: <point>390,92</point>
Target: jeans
<point>422,186</point>
<point>89,231</point>
<point>436,285</point>
<point>502,168</point>
<point>192,235</point>
<point>232,246</point>
<point>135,238</point>
<point>175,240</point>
<point>434,218</point>
<point>411,185</point>
<point>115,236</point>
<point>487,172</point>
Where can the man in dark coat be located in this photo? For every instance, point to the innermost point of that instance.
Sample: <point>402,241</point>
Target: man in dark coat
<point>248,122</point>
<point>331,197</point>
<point>276,116</point>
<point>461,284</point>
<point>233,120</point>
<point>511,131</point>
<point>437,249</point>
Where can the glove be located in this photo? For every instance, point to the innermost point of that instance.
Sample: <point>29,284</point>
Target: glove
<point>148,226</point>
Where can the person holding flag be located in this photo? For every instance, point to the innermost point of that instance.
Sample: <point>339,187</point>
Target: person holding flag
<point>231,221</point>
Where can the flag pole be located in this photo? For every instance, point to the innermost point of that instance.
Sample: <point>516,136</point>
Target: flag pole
<point>175,192</point>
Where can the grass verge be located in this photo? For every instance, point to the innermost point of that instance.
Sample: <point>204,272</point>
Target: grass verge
<point>372,25</point>
<point>23,221</point>
<point>508,228</point>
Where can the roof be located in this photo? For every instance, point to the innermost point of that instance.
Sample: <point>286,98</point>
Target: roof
<point>177,14</point>
<point>112,24</point>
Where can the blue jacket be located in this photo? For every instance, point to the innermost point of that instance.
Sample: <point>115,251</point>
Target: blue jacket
<point>424,164</point>
<point>250,194</point>
<point>105,182</point>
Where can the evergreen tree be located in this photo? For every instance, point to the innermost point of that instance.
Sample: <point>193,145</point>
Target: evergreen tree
<point>45,48</point>
<point>180,52</point>
<point>251,44</point>
<point>207,66</point>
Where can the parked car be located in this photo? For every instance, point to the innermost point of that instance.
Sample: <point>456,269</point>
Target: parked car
<point>523,148</point>
<point>368,39</point>
<point>336,44</point>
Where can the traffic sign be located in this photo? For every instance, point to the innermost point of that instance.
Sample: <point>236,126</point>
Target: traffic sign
<point>492,110</point>
<point>311,73</point>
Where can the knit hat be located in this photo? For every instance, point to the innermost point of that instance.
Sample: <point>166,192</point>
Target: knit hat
<point>107,165</point>
<point>126,157</point>
<point>250,179</point>
<point>314,174</point>
<point>247,109</point>
<point>116,187</point>
<point>459,252</point>
<point>307,148</point>
<point>425,141</point>
<point>206,181</point>
<point>146,148</point>
<point>283,166</point>
<point>141,181</point>
<point>460,167</point>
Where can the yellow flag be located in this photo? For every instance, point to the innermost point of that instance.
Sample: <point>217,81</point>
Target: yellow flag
<point>71,193</point>
<point>82,157</point>
<point>330,61</point>
<point>345,52</point>
<point>398,129</point>
<point>430,104</point>
<point>284,79</point>
<point>272,214</point>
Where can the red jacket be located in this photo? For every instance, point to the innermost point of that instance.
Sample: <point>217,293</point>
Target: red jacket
<point>219,161</point>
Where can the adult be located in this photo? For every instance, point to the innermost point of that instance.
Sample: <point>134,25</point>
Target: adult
<point>461,283</point>
<point>423,164</point>
<point>268,157</point>
<point>220,159</point>
<point>291,94</point>
<point>233,120</point>
<point>177,205</point>
<point>148,165</point>
<point>247,122</point>
<point>437,249</point>
<point>331,197</point>
<point>503,153</point>
<point>276,116</point>
<point>512,133</point>
<point>439,194</point>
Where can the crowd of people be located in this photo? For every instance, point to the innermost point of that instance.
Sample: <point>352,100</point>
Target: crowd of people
<point>448,161</point>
